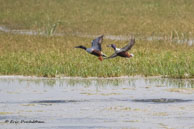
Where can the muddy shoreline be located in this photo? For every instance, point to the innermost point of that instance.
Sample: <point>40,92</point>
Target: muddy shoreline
<point>66,77</point>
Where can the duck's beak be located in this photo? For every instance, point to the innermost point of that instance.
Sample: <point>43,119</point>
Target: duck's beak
<point>109,45</point>
<point>77,47</point>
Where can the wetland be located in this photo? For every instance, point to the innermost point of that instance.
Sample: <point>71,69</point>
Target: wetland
<point>135,102</point>
<point>46,83</point>
<point>38,39</point>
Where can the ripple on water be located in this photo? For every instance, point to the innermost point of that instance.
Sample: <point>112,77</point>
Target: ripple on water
<point>162,100</point>
<point>58,101</point>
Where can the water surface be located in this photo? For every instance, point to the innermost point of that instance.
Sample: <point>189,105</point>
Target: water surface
<point>75,103</point>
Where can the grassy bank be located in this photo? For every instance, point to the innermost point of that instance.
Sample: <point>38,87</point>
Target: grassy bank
<point>110,17</point>
<point>51,56</point>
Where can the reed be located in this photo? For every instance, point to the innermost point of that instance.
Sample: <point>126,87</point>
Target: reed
<point>56,56</point>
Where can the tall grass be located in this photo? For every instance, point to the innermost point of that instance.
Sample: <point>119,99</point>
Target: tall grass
<point>51,28</point>
<point>56,56</point>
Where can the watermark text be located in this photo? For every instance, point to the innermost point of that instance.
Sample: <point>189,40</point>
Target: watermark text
<point>23,121</point>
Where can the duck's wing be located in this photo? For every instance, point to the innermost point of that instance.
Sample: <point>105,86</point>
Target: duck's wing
<point>96,43</point>
<point>112,56</point>
<point>129,45</point>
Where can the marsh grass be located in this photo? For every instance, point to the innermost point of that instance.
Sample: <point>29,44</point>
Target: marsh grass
<point>110,17</point>
<point>56,56</point>
<point>51,28</point>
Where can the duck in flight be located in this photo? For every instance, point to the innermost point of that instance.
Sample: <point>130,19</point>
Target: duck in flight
<point>122,52</point>
<point>96,48</point>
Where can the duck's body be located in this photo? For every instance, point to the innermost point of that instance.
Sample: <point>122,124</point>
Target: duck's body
<point>122,52</point>
<point>96,48</point>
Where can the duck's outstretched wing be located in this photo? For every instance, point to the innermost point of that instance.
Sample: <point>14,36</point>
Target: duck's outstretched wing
<point>96,43</point>
<point>129,45</point>
<point>112,56</point>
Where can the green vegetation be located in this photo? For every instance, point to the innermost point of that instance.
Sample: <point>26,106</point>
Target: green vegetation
<point>51,56</point>
<point>55,56</point>
<point>109,17</point>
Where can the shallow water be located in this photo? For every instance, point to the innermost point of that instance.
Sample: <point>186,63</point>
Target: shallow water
<point>189,41</point>
<point>75,103</point>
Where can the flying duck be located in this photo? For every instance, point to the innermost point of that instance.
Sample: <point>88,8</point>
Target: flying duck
<point>96,48</point>
<point>122,52</point>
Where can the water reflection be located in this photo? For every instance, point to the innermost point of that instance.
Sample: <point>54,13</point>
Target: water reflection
<point>58,101</point>
<point>132,81</point>
<point>161,100</point>
<point>178,83</point>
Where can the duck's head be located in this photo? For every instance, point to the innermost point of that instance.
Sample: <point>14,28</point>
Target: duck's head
<point>82,47</point>
<point>112,45</point>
